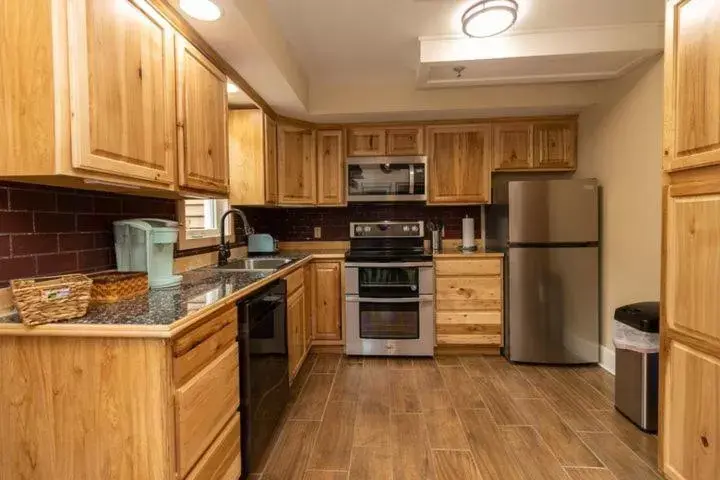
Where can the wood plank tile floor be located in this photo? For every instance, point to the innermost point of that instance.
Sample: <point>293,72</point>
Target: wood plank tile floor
<point>454,418</point>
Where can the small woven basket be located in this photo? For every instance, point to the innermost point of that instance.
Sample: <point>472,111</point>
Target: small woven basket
<point>50,299</point>
<point>116,286</point>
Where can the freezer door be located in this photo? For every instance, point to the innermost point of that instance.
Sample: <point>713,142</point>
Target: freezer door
<point>553,306</point>
<point>553,211</point>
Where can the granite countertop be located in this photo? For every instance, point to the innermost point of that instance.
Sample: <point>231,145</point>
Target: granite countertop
<point>160,311</point>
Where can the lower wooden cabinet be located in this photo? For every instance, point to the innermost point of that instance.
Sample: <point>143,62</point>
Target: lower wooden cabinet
<point>469,301</point>
<point>296,312</point>
<point>222,461</point>
<point>328,301</point>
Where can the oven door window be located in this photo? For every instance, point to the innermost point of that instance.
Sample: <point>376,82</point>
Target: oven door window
<point>388,282</point>
<point>390,321</point>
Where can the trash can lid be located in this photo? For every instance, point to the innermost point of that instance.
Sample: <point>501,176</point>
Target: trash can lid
<point>644,316</point>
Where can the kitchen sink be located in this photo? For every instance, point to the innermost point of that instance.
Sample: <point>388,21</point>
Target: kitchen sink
<point>256,264</point>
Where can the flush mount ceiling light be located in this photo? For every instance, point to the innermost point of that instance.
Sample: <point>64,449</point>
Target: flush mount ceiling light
<point>489,17</point>
<point>232,88</point>
<point>205,10</point>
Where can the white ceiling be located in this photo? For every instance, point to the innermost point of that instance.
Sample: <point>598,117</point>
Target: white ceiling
<point>341,39</point>
<point>346,60</point>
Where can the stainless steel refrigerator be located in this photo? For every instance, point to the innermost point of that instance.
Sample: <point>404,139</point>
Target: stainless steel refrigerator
<point>552,272</point>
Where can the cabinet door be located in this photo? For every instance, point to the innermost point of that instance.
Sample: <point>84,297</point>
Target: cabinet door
<point>459,164</point>
<point>328,301</point>
<point>692,81</point>
<point>405,141</point>
<point>296,166</point>
<point>309,285</point>
<point>202,120</point>
<point>512,146</point>
<point>122,90</point>
<point>366,142</point>
<point>295,325</point>
<point>246,157</point>
<point>330,168</point>
<point>554,145</point>
<point>271,167</point>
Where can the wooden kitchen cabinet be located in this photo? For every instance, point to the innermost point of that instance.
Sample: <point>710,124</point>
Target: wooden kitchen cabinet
<point>381,141</point>
<point>330,168</point>
<point>296,166</point>
<point>459,159</point>
<point>512,146</point>
<point>253,158</point>
<point>296,311</point>
<point>366,142</point>
<point>469,301</point>
<point>89,96</point>
<point>405,141</point>
<point>554,145</point>
<point>689,430</point>
<point>328,301</point>
<point>202,122</point>
<point>309,284</point>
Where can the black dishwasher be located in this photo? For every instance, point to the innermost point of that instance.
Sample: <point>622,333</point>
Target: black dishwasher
<point>264,386</point>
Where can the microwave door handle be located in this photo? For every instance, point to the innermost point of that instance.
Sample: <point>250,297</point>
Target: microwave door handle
<point>411,190</point>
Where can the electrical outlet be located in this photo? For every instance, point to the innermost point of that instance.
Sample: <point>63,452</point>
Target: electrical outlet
<point>317,233</point>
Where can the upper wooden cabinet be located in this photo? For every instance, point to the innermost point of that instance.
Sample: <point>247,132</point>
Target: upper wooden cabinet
<point>296,166</point>
<point>405,141</point>
<point>366,142</point>
<point>105,95</point>
<point>512,147</point>
<point>253,158</point>
<point>535,145</point>
<point>122,90</point>
<point>459,164</point>
<point>202,121</point>
<point>330,168</point>
<point>692,85</point>
<point>554,145</point>
<point>378,141</point>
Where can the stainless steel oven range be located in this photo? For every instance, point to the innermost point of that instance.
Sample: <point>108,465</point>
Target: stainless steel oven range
<point>389,290</point>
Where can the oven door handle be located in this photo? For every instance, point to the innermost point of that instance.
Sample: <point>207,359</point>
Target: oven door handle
<point>389,265</point>
<point>420,299</point>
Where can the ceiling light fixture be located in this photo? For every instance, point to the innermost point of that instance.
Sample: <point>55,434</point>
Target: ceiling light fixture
<point>232,88</point>
<point>204,10</point>
<point>489,17</point>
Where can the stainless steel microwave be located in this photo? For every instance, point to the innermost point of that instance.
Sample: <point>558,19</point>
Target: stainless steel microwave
<point>387,179</point>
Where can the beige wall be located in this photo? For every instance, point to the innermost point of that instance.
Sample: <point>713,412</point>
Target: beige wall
<point>620,143</point>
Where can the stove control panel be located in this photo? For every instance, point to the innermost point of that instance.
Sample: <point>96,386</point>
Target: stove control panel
<point>387,229</point>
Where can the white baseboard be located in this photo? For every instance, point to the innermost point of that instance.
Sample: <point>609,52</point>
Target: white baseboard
<point>607,358</point>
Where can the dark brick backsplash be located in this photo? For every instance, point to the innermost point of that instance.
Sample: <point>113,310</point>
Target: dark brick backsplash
<point>296,224</point>
<point>49,231</point>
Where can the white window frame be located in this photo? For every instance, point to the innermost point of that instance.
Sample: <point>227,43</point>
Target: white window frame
<point>208,237</point>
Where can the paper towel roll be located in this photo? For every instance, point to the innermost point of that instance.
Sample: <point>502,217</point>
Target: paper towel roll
<point>468,232</point>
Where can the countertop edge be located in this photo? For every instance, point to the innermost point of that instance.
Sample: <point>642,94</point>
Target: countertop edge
<point>159,332</point>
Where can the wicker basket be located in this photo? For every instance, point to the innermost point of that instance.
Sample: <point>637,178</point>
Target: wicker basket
<point>116,286</point>
<point>50,299</point>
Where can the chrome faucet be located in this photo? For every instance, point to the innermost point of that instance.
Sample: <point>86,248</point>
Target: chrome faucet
<point>224,248</point>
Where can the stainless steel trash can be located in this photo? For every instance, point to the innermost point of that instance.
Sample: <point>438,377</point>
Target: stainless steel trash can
<point>637,367</point>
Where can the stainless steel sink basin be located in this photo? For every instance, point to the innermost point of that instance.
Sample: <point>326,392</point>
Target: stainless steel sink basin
<point>256,264</point>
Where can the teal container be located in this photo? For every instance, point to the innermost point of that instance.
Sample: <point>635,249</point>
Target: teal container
<point>147,245</point>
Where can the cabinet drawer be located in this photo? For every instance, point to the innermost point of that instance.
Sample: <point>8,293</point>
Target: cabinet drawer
<point>198,347</point>
<point>462,339</point>
<point>470,266</point>
<point>468,293</point>
<point>204,405</point>
<point>222,459</point>
<point>294,280</point>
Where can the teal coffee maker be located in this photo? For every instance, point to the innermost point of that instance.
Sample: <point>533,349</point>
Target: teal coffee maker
<point>146,245</point>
